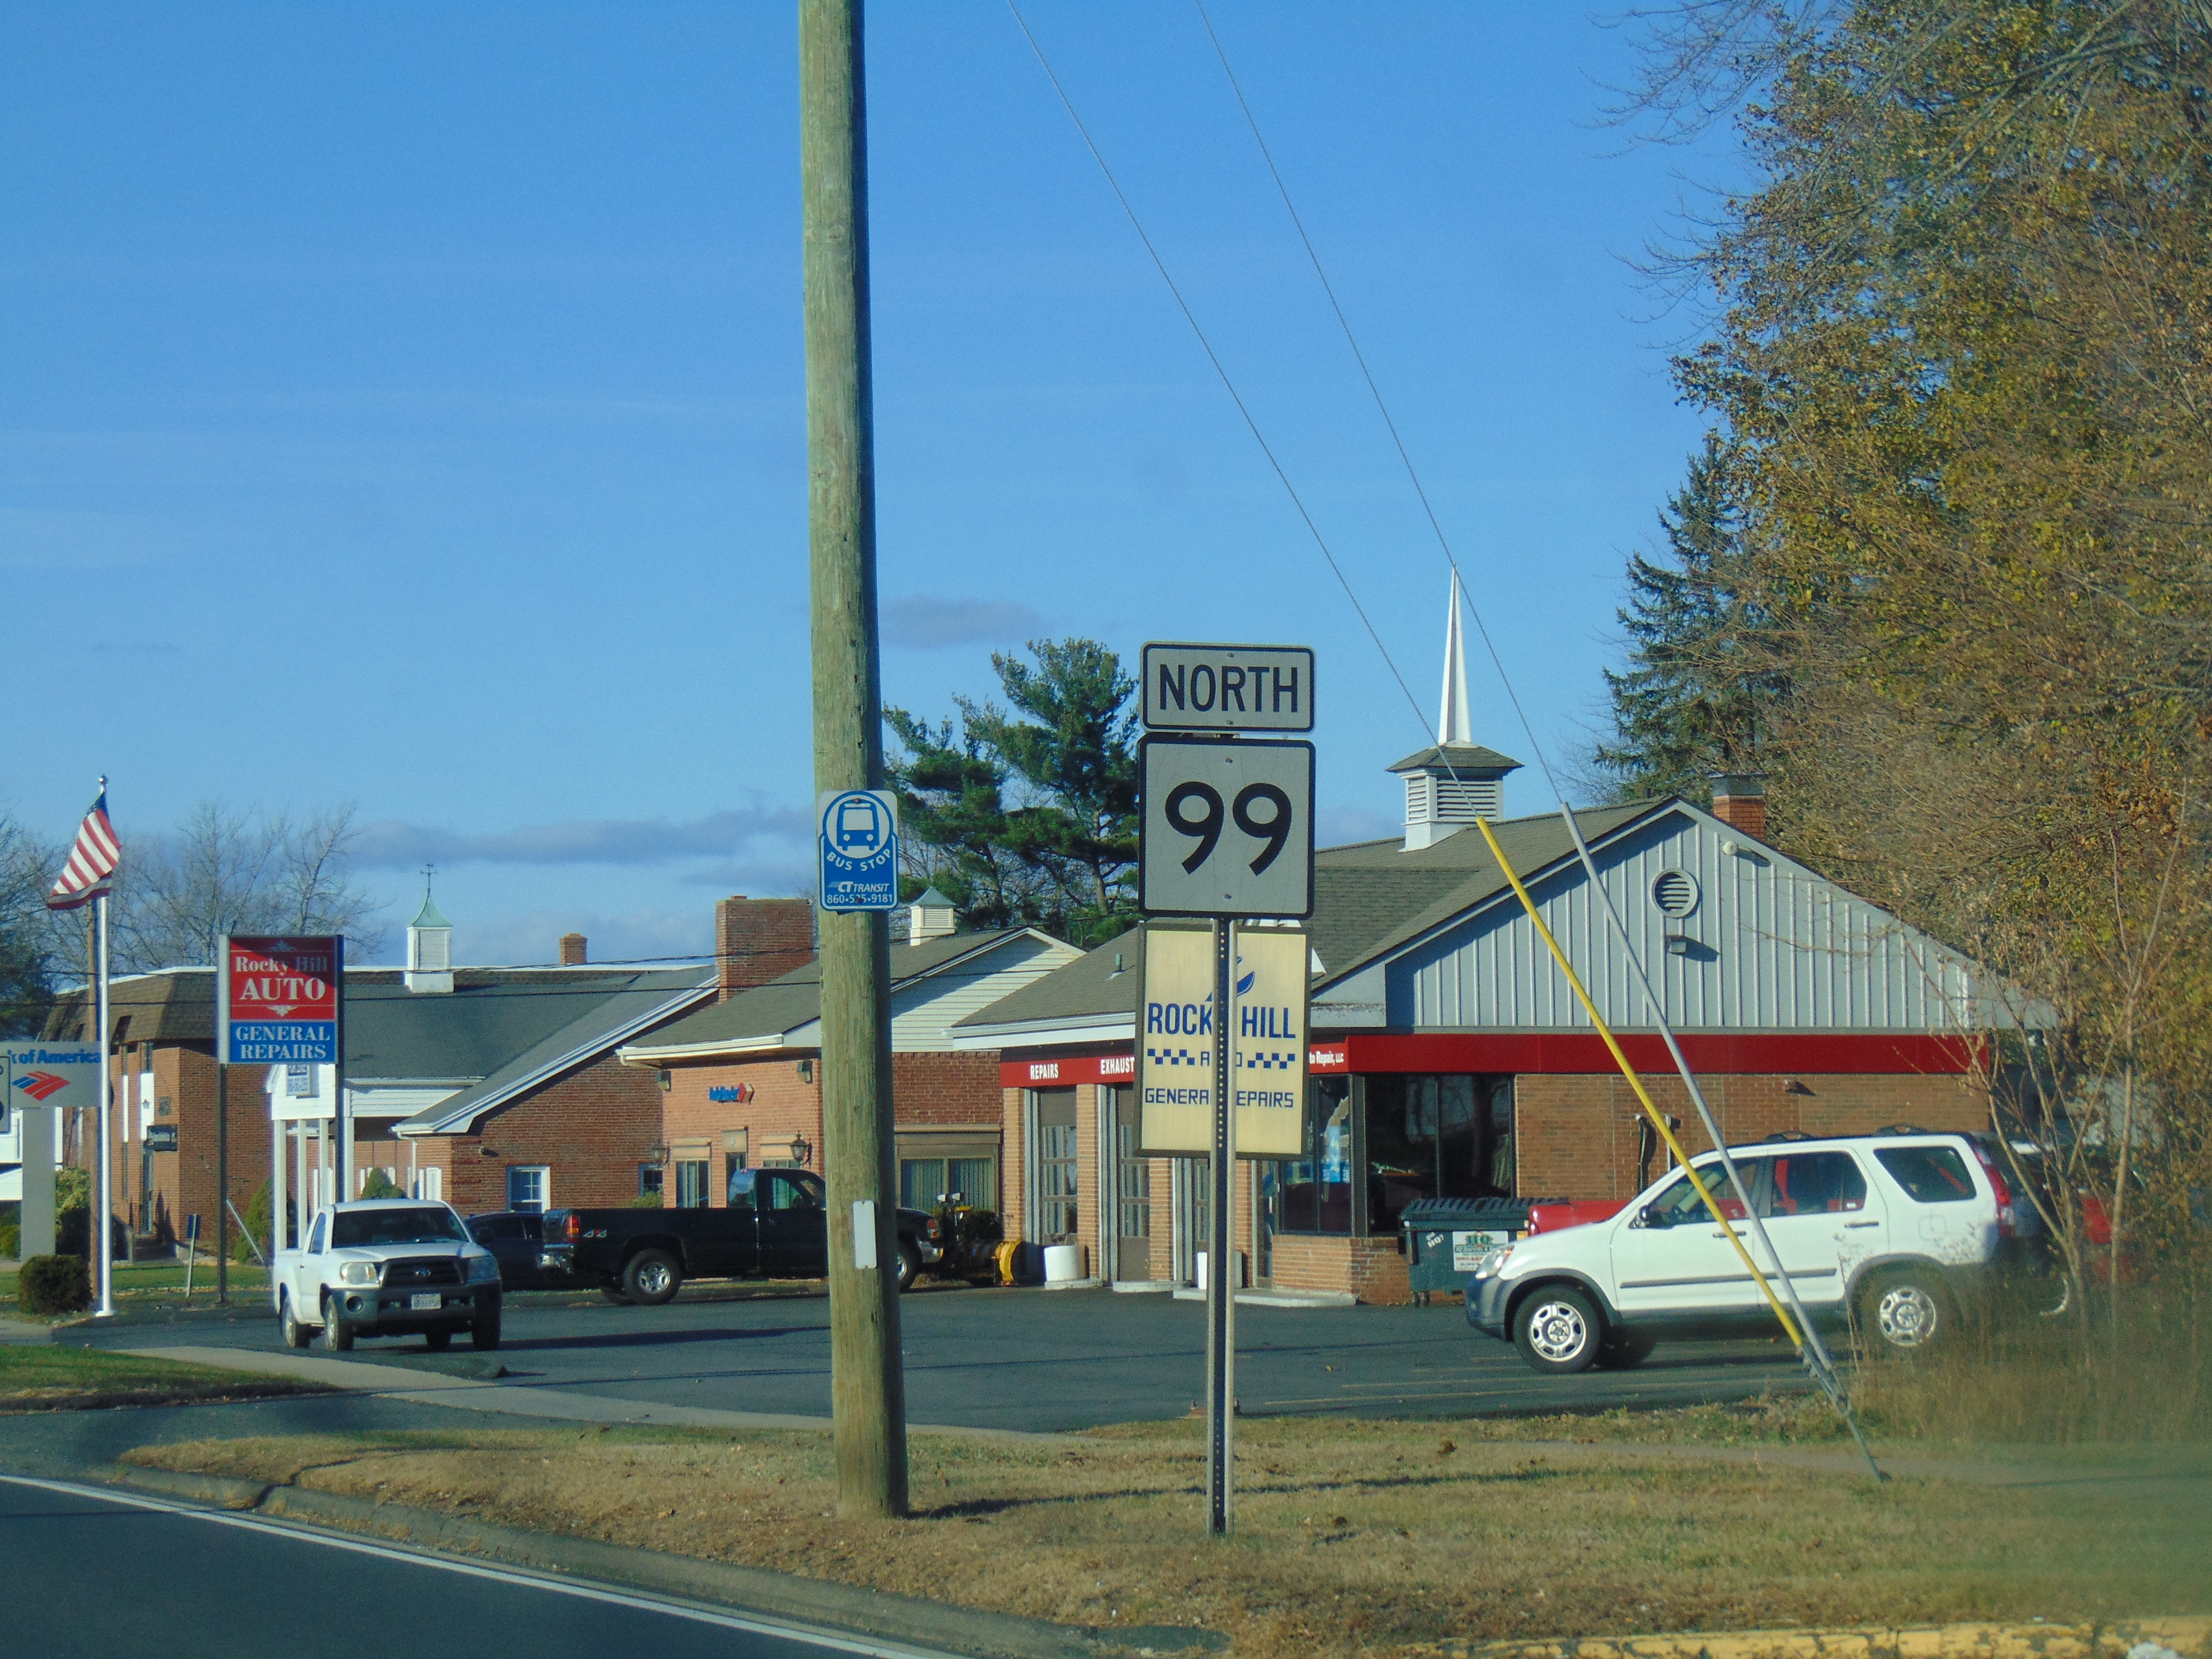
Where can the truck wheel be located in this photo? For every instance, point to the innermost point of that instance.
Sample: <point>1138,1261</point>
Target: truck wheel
<point>337,1335</point>
<point>910,1266</point>
<point>484,1331</point>
<point>437,1341</point>
<point>1624,1351</point>
<point>1906,1313</point>
<point>297,1335</point>
<point>1557,1330</point>
<point>652,1277</point>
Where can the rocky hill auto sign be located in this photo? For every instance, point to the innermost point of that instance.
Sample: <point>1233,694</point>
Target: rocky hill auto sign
<point>279,1000</point>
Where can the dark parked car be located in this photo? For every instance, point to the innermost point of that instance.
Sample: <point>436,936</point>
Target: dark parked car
<point>776,1225</point>
<point>517,1238</point>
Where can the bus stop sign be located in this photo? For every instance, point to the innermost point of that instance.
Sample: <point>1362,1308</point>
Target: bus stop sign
<point>858,847</point>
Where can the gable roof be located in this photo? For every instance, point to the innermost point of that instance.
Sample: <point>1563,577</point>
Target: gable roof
<point>776,1015</point>
<point>1370,898</point>
<point>493,1020</point>
<point>594,1024</point>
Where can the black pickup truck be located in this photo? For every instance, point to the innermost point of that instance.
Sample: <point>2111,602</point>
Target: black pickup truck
<point>776,1227</point>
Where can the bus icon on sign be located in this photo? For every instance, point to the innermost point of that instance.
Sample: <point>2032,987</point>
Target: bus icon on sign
<point>859,827</point>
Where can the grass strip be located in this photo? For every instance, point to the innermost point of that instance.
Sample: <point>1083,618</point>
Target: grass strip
<point>1352,1537</point>
<point>45,1377</point>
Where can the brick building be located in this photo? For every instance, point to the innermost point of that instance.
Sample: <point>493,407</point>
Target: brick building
<point>162,1075</point>
<point>498,1088</point>
<point>741,1084</point>
<point>1448,1057</point>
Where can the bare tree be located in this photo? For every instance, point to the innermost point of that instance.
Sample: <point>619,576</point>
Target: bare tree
<point>223,871</point>
<point>27,936</point>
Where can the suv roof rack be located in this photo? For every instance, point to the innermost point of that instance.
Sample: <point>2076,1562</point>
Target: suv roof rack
<point>1788,1135</point>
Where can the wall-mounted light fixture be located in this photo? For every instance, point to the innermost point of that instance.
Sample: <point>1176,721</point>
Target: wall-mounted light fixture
<point>800,1152</point>
<point>665,1078</point>
<point>806,1070</point>
<point>656,1155</point>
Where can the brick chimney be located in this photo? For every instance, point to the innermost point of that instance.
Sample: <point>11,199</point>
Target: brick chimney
<point>1740,802</point>
<point>572,950</point>
<point>756,940</point>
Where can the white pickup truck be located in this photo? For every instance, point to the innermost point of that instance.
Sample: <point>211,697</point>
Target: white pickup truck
<point>390,1267</point>
<point>1894,1230</point>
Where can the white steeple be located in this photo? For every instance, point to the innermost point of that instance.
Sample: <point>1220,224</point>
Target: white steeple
<point>1455,726</point>
<point>1457,781</point>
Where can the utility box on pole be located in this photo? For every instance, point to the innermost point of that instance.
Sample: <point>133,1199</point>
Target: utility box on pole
<point>867,1383</point>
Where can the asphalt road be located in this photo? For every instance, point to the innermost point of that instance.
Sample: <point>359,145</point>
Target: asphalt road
<point>90,1577</point>
<point>1050,1360</point>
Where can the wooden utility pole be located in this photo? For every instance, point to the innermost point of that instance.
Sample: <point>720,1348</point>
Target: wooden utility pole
<point>867,1385</point>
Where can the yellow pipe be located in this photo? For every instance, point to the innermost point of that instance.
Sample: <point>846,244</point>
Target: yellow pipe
<point>1658,1118</point>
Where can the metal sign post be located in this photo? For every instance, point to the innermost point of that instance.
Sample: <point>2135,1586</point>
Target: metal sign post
<point>1227,834</point>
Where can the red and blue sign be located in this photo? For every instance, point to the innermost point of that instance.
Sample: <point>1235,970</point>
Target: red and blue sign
<point>279,1000</point>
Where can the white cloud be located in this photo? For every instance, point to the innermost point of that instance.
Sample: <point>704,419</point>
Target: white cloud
<point>394,844</point>
<point>930,621</point>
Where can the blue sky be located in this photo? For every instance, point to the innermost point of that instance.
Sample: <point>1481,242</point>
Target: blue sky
<point>402,405</point>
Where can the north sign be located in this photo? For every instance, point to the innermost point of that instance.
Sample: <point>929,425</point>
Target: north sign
<point>1228,828</point>
<point>1228,687</point>
<point>278,1000</point>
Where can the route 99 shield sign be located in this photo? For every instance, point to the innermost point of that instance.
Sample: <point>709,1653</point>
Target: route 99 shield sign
<point>1228,828</point>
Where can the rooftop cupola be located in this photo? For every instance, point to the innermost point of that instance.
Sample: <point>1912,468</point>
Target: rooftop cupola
<point>429,948</point>
<point>931,916</point>
<point>1455,781</point>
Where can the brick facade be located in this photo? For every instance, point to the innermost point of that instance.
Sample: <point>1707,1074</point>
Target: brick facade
<point>1372,1269</point>
<point>183,1097</point>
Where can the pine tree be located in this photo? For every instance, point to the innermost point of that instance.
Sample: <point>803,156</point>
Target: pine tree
<point>1061,852</point>
<point>1697,697</point>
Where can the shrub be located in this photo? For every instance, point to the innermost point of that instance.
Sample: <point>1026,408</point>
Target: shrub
<point>258,1214</point>
<point>646,1201</point>
<point>72,1189</point>
<point>11,1239</point>
<point>73,1235</point>
<point>377,1184</point>
<point>54,1284</point>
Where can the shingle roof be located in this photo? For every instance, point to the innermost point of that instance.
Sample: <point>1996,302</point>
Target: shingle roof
<point>1369,898</point>
<point>1460,758</point>
<point>596,1024</point>
<point>795,999</point>
<point>392,1034</point>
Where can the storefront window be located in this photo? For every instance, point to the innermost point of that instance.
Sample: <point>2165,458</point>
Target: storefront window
<point>1056,1190</point>
<point>1132,1183</point>
<point>1312,1194</point>
<point>692,1183</point>
<point>925,1184</point>
<point>1436,1136</point>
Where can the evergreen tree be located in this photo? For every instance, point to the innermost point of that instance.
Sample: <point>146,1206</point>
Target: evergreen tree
<point>1698,694</point>
<point>1028,815</point>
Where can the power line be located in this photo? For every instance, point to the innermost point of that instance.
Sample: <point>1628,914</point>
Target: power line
<point>1381,407</point>
<point>1207,345</point>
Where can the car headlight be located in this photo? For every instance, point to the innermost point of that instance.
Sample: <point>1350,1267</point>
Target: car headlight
<point>358,1273</point>
<point>483,1270</point>
<point>1491,1260</point>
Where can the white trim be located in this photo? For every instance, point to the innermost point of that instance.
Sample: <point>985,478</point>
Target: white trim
<point>1036,1033</point>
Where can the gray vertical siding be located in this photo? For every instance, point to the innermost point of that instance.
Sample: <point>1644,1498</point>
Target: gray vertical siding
<point>1771,947</point>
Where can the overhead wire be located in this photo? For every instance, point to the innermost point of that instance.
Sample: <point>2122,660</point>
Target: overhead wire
<point>1808,1345</point>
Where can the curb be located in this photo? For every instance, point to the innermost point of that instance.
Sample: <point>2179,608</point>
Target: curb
<point>2189,1637</point>
<point>841,1608</point>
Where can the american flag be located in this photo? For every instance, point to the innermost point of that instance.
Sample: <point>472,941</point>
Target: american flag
<point>91,861</point>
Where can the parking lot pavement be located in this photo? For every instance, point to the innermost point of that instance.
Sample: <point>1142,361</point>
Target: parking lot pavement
<point>1056,1360</point>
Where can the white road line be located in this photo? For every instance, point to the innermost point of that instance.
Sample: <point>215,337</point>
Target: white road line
<point>751,1624</point>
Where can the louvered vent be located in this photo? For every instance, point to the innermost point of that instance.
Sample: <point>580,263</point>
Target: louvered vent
<point>1675,893</point>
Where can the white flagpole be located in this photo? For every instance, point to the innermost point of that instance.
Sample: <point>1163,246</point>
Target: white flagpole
<point>103,1216</point>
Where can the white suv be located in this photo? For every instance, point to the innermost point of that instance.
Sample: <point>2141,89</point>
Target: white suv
<point>1896,1227</point>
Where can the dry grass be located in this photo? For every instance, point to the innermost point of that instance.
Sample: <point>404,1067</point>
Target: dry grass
<point>2022,1378</point>
<point>1352,1537</point>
